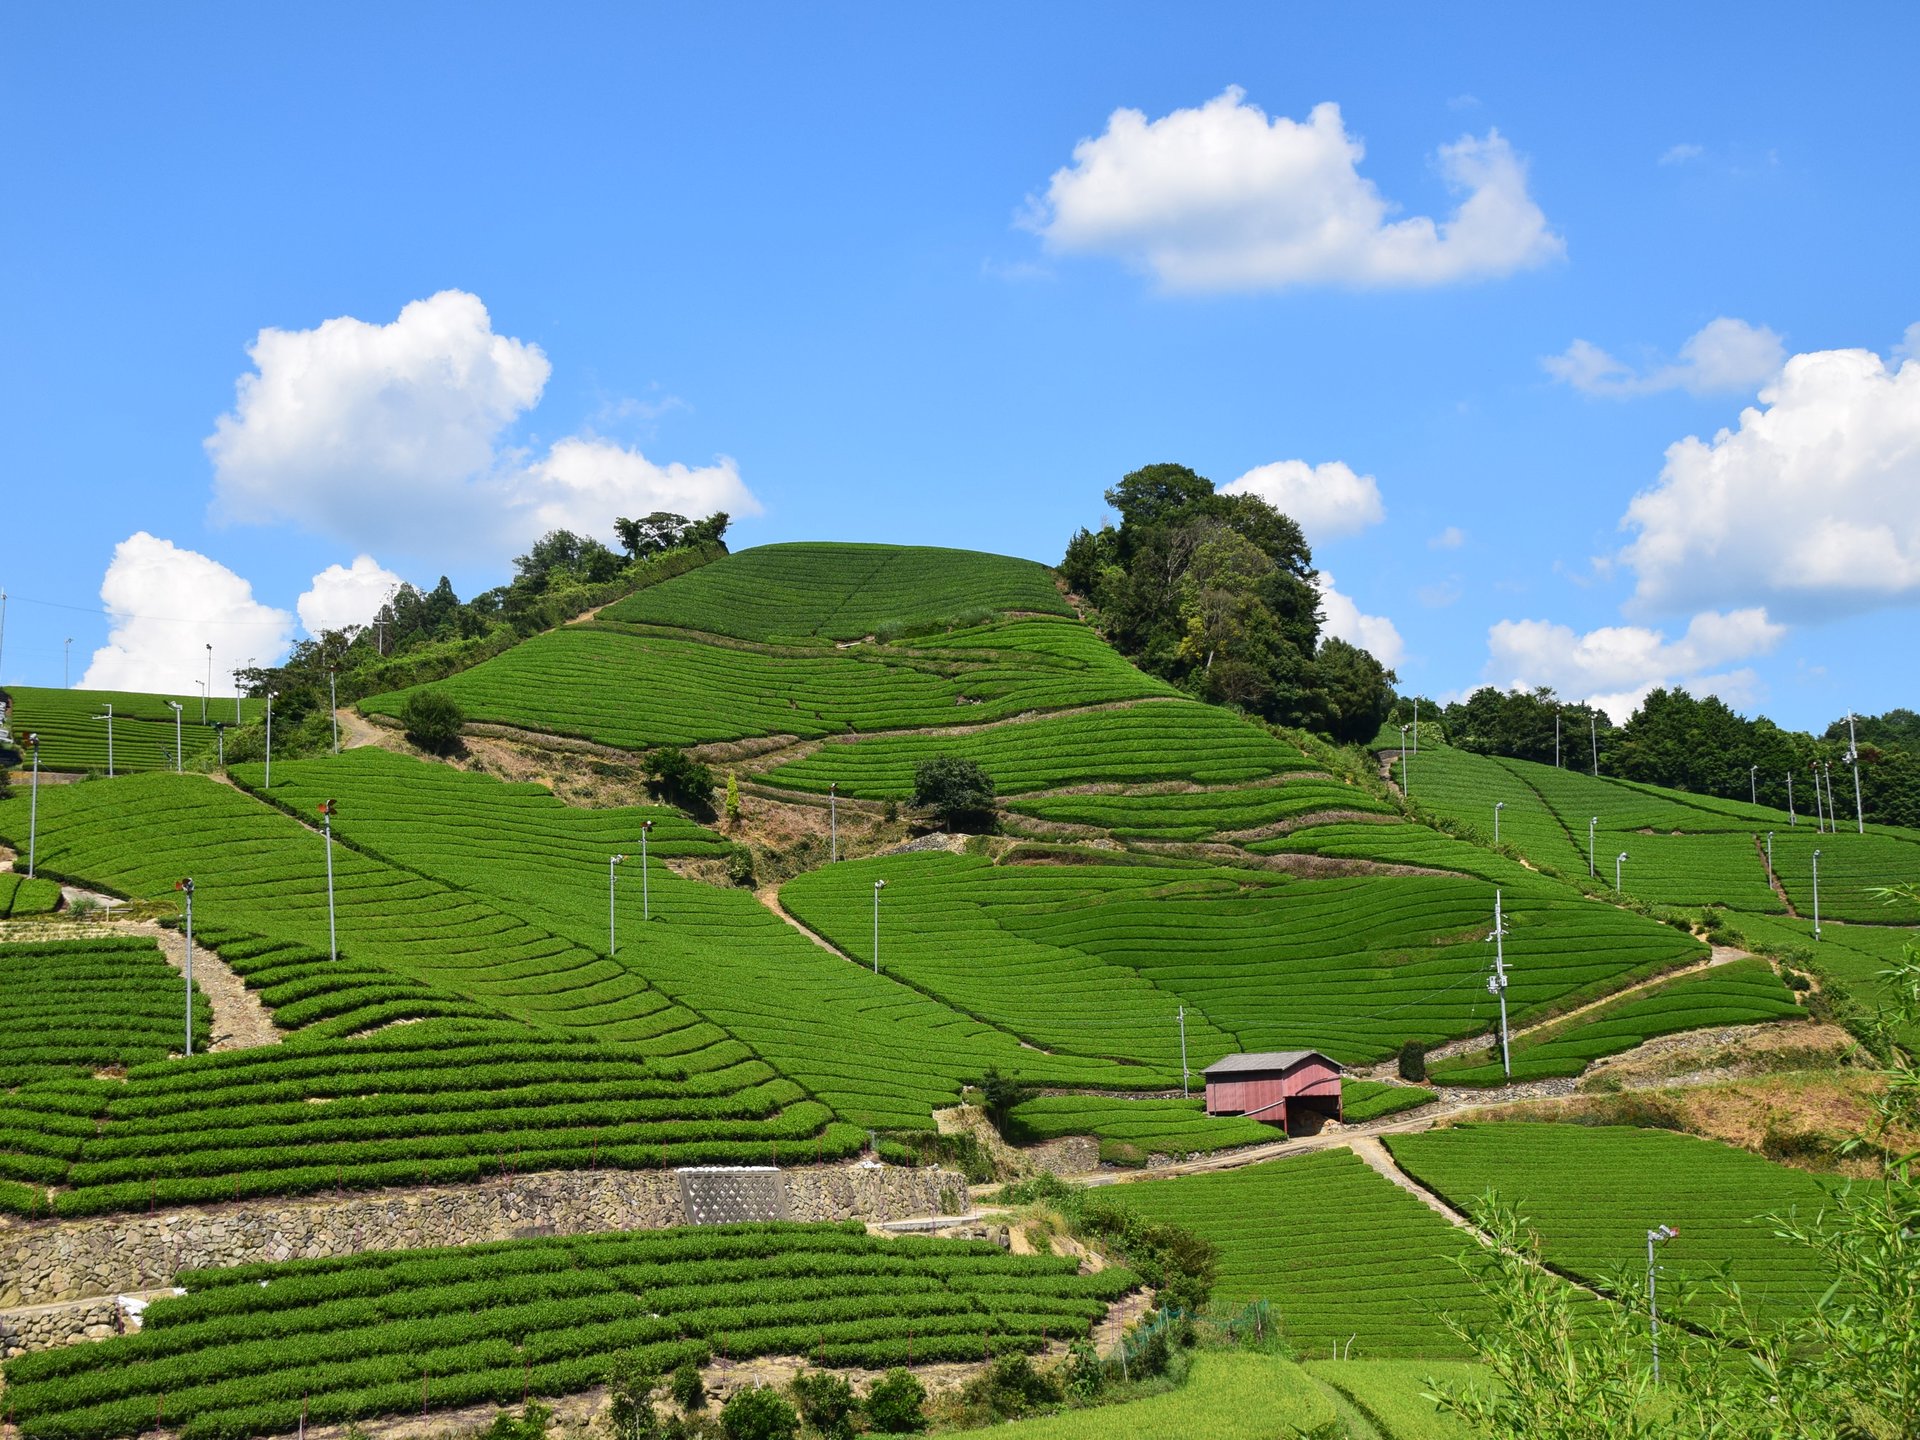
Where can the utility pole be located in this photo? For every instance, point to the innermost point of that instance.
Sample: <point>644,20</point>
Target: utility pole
<point>66,665</point>
<point>646,892</point>
<point>108,717</point>
<point>1593,731</point>
<point>1183,1052</point>
<point>1816,894</point>
<point>1753,784</point>
<point>1769,857</point>
<point>1833,806</point>
<point>878,886</point>
<point>1590,826</point>
<point>612,875</point>
<point>1406,777</point>
<point>327,808</point>
<point>185,887</point>
<point>1416,724</point>
<point>1497,982</point>
<point>177,708</point>
<point>1656,1236</point>
<point>220,739</point>
<point>1618,861</point>
<point>1792,818</point>
<point>833,820</point>
<point>1853,759</point>
<point>1819,813</point>
<point>269,740</point>
<point>33,805</point>
<point>1498,806</point>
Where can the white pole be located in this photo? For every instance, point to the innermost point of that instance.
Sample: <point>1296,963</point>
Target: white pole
<point>33,805</point>
<point>1816,894</point>
<point>108,717</point>
<point>1769,857</point>
<point>1833,806</point>
<point>1662,1233</point>
<point>1819,814</point>
<point>1498,982</point>
<point>206,693</point>
<point>1853,759</point>
<point>186,888</point>
<point>878,886</point>
<point>220,739</point>
<point>1184,1074</point>
<point>1753,784</point>
<point>612,874</point>
<point>833,820</point>
<point>269,740</point>
<point>1498,806</point>
<point>1593,729</point>
<point>66,665</point>
<point>333,707</point>
<point>1556,739</point>
<point>177,709</point>
<point>1406,785</point>
<point>333,943</point>
<point>203,701</point>
<point>236,698</point>
<point>646,894</point>
<point>1416,724</point>
<point>1590,826</point>
<point>1618,861</point>
<point>1792,817</point>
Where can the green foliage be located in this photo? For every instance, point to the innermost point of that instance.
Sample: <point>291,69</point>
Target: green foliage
<point>896,1403</point>
<point>529,1424</point>
<point>71,738</point>
<point>630,1382</point>
<point>1010,1387</point>
<point>826,1403</point>
<point>1413,1062</point>
<point>678,778</point>
<point>689,1391</point>
<point>1362,1100</point>
<point>733,798</point>
<point>843,592</point>
<point>21,895</point>
<point>955,792</point>
<point>758,1412</point>
<point>71,1007</point>
<point>663,530</point>
<point>1000,1094</point>
<point>433,719</point>
<point>1166,1127</point>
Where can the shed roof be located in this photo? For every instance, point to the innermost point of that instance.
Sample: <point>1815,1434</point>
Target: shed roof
<point>1264,1060</point>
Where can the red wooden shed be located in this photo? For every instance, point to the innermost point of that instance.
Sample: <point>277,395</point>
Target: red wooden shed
<point>1294,1089</point>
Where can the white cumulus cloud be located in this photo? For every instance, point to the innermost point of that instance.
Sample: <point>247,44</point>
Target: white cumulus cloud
<point>396,437</point>
<point>343,595</point>
<point>1342,619</point>
<point>166,606</point>
<point>1615,666</point>
<point>1806,506</point>
<point>1327,500</point>
<point>1223,197</point>
<point>1724,355</point>
<point>1451,538</point>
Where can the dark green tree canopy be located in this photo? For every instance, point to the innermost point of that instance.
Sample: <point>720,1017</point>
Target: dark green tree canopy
<point>433,719</point>
<point>678,778</point>
<point>956,791</point>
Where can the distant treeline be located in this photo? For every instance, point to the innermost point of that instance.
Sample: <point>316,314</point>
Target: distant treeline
<point>1694,743</point>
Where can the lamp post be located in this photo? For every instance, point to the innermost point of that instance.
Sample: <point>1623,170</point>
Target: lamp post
<point>1853,760</point>
<point>1593,731</point>
<point>206,693</point>
<point>1184,1075</point>
<point>237,717</point>
<point>269,740</point>
<point>833,821</point>
<point>1591,823</point>
<point>1618,861</point>
<point>1659,1235</point>
<point>1753,784</point>
<point>1792,818</point>
<point>1498,806</point>
<point>33,805</point>
<point>177,708</point>
<point>878,886</point>
<point>66,665</point>
<point>220,739</point>
<point>646,893</point>
<point>203,700</point>
<point>1497,982</point>
<point>333,705</point>
<point>1816,894</point>
<point>185,887</point>
<point>327,808</point>
<point>1769,857</point>
<point>1406,777</point>
<point>108,717</point>
<point>612,874</point>
<point>1819,812</point>
<point>1416,724</point>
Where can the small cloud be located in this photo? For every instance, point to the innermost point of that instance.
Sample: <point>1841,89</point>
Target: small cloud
<point>1909,346</point>
<point>630,409</point>
<point>1463,102</point>
<point>1015,271</point>
<point>166,606</point>
<point>1342,619</point>
<point>1439,595</point>
<point>1681,154</point>
<point>343,595</point>
<point>1451,538</point>
<point>1327,501</point>
<point>1724,355</point>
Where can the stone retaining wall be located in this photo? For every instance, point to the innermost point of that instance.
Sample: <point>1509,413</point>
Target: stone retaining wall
<point>1069,1155</point>
<point>45,1262</point>
<point>46,1326</point>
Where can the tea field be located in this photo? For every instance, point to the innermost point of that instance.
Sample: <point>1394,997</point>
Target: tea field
<point>252,1349</point>
<point>71,1007</point>
<point>21,896</point>
<point>73,738</point>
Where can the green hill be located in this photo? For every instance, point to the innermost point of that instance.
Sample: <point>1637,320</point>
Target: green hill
<point>74,737</point>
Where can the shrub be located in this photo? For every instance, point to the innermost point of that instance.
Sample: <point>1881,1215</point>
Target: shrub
<point>758,1413</point>
<point>1413,1062</point>
<point>999,1094</point>
<point>955,791</point>
<point>630,1411</point>
<point>676,776</point>
<point>1085,1374</point>
<point>433,719</point>
<point>826,1403</point>
<point>689,1391</point>
<point>1011,1387</point>
<point>733,798</point>
<point>529,1424</point>
<point>896,1403</point>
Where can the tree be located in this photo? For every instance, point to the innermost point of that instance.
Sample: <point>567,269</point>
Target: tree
<point>1354,691</point>
<point>733,798</point>
<point>630,1411</point>
<point>999,1094</point>
<point>896,1403</point>
<point>758,1412</point>
<point>956,791</point>
<point>677,777</point>
<point>433,719</point>
<point>826,1403</point>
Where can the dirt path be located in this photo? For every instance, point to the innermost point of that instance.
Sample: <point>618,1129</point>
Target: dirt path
<point>240,1021</point>
<point>1369,1149</point>
<point>357,731</point>
<point>769,896</point>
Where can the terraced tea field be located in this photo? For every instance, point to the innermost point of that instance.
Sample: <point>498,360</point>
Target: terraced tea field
<point>1339,1252</point>
<point>71,1007</point>
<point>71,738</point>
<point>1592,1194</point>
<point>833,591</point>
<point>1744,992</point>
<point>1172,740</point>
<point>250,1350</point>
<point>21,896</point>
<point>1196,814</point>
<point>1227,1397</point>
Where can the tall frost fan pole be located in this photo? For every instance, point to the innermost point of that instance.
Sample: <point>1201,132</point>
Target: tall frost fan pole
<point>327,808</point>
<point>185,887</point>
<point>646,896</point>
<point>1819,812</point>
<point>833,821</point>
<point>1816,894</point>
<point>878,886</point>
<point>1793,817</point>
<point>1184,1077</point>
<point>1593,731</point>
<point>612,877</point>
<point>1853,760</point>
<point>1556,737</point>
<point>1497,982</point>
<point>269,739</point>
<point>333,705</point>
<point>33,805</point>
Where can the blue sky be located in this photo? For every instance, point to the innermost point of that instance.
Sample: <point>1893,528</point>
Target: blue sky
<point>845,264</point>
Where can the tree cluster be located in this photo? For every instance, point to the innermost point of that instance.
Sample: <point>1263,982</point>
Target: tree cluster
<point>1216,594</point>
<point>664,530</point>
<point>1697,744</point>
